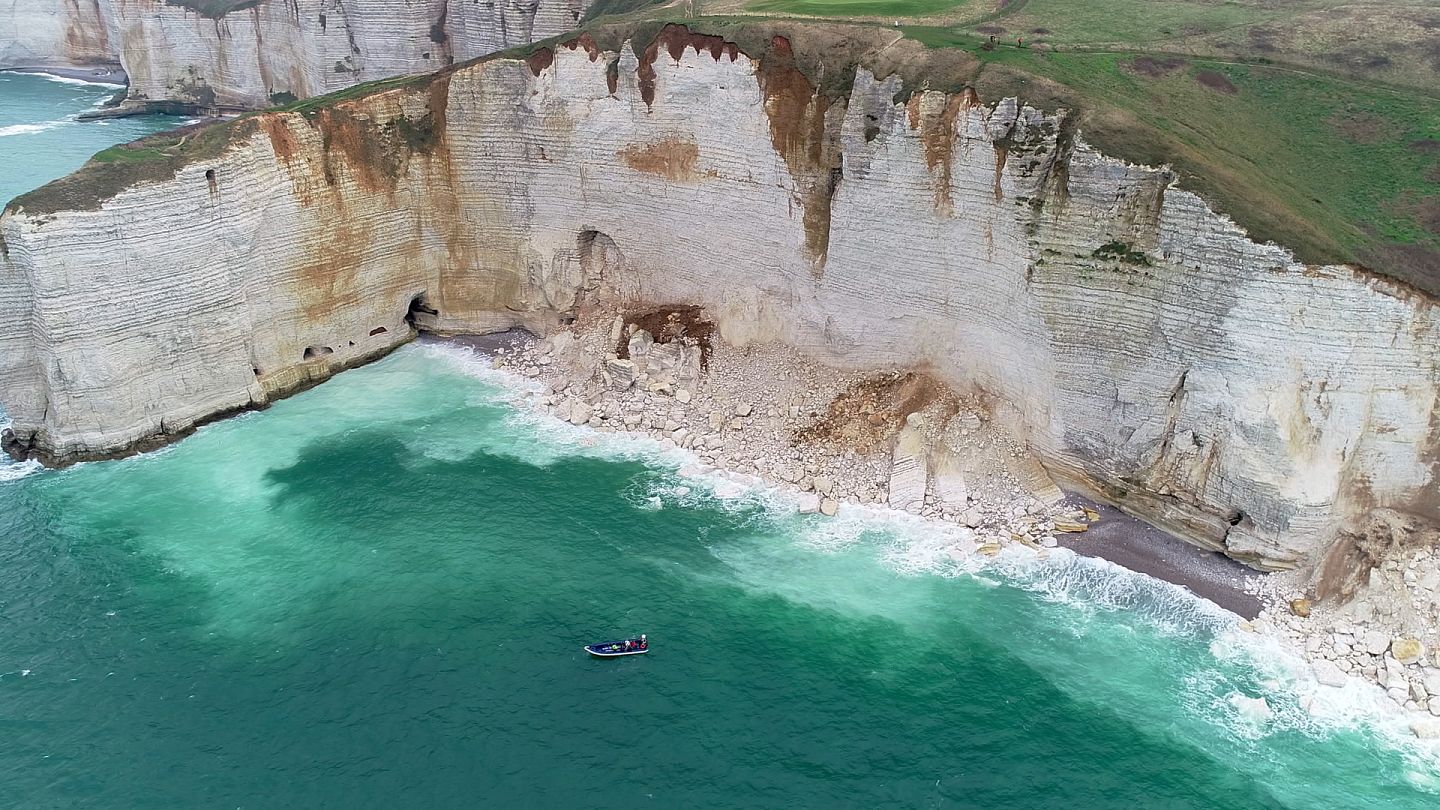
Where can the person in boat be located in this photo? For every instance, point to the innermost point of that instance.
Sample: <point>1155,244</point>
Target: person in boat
<point>643,643</point>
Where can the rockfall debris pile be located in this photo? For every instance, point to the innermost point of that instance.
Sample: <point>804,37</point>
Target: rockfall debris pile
<point>1388,634</point>
<point>894,438</point>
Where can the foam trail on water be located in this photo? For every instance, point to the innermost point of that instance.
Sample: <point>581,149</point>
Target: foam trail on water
<point>73,80</point>
<point>14,470</point>
<point>30,129</point>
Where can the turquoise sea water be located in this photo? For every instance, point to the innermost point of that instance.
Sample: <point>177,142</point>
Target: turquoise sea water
<point>374,594</point>
<point>40,139</point>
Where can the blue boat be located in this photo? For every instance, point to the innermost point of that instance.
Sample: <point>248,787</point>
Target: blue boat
<point>619,649</point>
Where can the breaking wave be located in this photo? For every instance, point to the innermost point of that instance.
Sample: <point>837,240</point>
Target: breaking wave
<point>30,129</point>
<point>78,81</point>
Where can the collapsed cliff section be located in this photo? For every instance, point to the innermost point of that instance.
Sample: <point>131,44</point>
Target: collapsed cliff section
<point>1139,343</point>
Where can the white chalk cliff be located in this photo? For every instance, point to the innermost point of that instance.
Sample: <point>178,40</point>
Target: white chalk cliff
<point>57,33</point>
<point>271,49</point>
<point>1140,343</point>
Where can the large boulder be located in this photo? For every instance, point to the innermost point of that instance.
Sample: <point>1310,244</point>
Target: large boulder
<point>620,374</point>
<point>908,473</point>
<point>1407,650</point>
<point>1426,728</point>
<point>1328,674</point>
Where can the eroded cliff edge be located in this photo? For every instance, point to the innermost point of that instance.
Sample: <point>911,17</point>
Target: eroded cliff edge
<point>1141,344</point>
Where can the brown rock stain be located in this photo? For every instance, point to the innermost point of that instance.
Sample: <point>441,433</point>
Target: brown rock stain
<point>672,158</point>
<point>354,146</point>
<point>584,41</point>
<point>937,128</point>
<point>326,282</point>
<point>86,37</point>
<point>675,39</point>
<point>282,140</point>
<point>866,416</point>
<point>539,59</point>
<point>810,149</point>
<point>374,149</point>
<point>1002,153</point>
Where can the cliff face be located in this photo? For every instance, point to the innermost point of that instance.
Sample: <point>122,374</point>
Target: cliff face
<point>311,47</point>
<point>1140,342</point>
<point>271,49</point>
<point>57,32</point>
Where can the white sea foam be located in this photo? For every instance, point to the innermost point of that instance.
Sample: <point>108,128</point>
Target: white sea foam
<point>77,81</point>
<point>30,129</point>
<point>14,471</point>
<point>1303,704</point>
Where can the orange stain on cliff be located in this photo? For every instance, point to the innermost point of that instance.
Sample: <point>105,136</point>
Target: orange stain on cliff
<point>672,158</point>
<point>282,140</point>
<point>938,133</point>
<point>327,280</point>
<point>797,131</point>
<point>376,146</point>
<point>353,147</point>
<point>1002,154</point>
<point>299,161</point>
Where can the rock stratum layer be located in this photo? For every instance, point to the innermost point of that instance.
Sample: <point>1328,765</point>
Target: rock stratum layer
<point>268,50</point>
<point>1139,342</point>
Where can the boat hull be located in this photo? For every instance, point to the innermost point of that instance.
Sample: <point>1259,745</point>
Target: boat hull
<point>615,655</point>
<point>614,649</point>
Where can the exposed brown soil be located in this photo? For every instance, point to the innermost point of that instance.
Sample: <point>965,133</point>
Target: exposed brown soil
<point>1359,127</point>
<point>672,158</point>
<point>1433,173</point>
<point>1154,68</point>
<point>282,140</point>
<point>684,323</point>
<point>539,59</point>
<point>1216,81</point>
<point>587,42</point>
<point>675,39</point>
<point>865,416</point>
<point>1426,146</point>
<point>1427,213</point>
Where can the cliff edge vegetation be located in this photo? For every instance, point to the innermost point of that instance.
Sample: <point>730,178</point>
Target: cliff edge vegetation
<point>1311,125</point>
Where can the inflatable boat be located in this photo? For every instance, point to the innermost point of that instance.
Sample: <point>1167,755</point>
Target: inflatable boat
<point>618,649</point>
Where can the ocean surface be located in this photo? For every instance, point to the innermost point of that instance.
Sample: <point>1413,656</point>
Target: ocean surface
<point>374,594</point>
